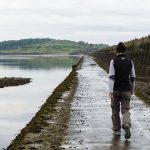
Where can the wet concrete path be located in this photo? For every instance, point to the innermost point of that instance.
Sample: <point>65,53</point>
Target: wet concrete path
<point>90,121</point>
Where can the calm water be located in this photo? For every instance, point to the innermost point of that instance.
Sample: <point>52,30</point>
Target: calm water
<point>19,104</point>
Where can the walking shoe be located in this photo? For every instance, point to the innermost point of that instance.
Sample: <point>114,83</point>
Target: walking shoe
<point>127,131</point>
<point>117,133</point>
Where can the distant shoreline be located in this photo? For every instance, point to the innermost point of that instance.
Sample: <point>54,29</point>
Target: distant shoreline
<point>42,54</point>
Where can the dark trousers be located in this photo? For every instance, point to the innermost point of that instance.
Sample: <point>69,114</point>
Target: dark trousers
<point>120,99</point>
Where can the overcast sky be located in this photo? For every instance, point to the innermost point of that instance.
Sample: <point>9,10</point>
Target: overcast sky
<point>96,21</point>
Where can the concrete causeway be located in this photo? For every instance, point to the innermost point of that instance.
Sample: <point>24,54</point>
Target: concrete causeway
<point>90,121</point>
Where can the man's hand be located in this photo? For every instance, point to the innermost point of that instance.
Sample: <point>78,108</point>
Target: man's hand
<point>132,92</point>
<point>111,96</point>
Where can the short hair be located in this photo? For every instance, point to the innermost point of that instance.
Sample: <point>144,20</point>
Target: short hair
<point>121,48</point>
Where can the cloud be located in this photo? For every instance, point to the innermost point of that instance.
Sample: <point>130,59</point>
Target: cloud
<point>75,19</point>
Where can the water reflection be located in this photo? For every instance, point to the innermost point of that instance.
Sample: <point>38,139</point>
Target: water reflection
<point>19,104</point>
<point>117,144</point>
<point>37,62</point>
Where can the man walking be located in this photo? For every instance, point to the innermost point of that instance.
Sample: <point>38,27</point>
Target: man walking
<point>121,87</point>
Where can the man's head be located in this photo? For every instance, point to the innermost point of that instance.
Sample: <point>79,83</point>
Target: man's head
<point>121,48</point>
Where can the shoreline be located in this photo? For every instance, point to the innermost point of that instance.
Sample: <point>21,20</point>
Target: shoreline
<point>48,127</point>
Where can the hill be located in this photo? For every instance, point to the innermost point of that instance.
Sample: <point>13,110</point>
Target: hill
<point>47,46</point>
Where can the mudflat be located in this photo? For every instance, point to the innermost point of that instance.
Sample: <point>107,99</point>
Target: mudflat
<point>12,81</point>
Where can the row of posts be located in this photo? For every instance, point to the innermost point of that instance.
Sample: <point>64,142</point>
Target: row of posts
<point>141,58</point>
<point>140,54</point>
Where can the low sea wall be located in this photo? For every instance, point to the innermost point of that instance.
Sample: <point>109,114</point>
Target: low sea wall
<point>48,127</point>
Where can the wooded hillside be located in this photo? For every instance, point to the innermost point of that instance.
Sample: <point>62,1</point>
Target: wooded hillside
<point>46,45</point>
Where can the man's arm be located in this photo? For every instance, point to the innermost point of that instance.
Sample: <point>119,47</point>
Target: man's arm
<point>111,77</point>
<point>132,78</point>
